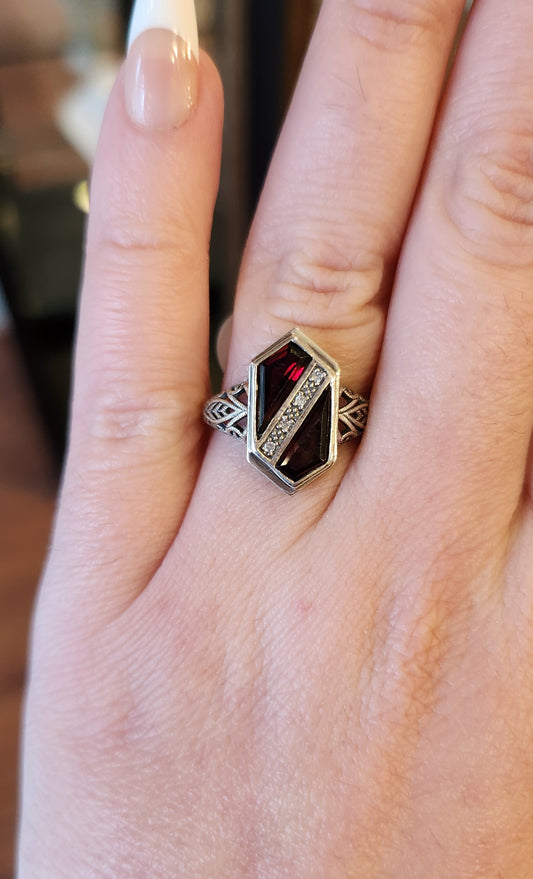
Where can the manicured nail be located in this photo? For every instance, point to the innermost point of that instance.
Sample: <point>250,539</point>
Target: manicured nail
<point>161,75</point>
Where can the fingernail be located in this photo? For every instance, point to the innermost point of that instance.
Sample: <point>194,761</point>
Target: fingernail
<point>161,75</point>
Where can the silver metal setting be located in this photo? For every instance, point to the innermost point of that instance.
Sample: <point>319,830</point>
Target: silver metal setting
<point>228,411</point>
<point>266,452</point>
<point>234,412</point>
<point>353,414</point>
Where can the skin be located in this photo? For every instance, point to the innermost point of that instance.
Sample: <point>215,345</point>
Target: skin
<point>229,682</point>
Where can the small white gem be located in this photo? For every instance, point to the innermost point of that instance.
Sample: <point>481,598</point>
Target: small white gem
<point>285,423</point>
<point>300,400</point>
<point>269,448</point>
<point>318,375</point>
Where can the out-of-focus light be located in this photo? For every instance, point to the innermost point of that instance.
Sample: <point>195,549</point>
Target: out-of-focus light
<point>80,196</point>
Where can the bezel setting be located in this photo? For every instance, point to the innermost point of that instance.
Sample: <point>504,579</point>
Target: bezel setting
<point>293,412</point>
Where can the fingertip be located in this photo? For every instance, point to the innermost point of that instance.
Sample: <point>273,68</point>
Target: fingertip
<point>160,176</point>
<point>160,81</point>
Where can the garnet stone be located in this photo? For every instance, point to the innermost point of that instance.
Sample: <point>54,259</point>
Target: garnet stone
<point>293,411</point>
<point>310,447</point>
<point>276,378</point>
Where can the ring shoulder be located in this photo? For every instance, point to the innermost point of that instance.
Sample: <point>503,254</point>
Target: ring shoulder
<point>353,414</point>
<point>228,411</point>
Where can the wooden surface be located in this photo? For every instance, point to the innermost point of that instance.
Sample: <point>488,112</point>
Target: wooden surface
<point>26,507</point>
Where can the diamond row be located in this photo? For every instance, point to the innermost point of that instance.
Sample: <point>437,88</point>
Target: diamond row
<point>293,412</point>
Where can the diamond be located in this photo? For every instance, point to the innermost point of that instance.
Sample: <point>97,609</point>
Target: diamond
<point>269,448</point>
<point>300,400</point>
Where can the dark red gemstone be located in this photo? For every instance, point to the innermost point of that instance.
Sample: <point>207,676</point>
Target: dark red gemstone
<point>276,378</point>
<point>309,448</point>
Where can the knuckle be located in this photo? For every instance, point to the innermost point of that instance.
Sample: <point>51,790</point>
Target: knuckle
<point>394,25</point>
<point>134,245</point>
<point>490,197</point>
<point>112,720</point>
<point>316,286</point>
<point>116,414</point>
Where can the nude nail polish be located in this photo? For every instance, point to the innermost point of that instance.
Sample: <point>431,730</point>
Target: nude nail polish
<point>161,72</point>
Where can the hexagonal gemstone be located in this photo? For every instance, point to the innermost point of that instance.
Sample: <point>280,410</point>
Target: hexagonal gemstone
<point>309,448</point>
<point>276,378</point>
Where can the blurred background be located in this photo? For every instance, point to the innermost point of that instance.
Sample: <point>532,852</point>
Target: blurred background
<point>58,60</point>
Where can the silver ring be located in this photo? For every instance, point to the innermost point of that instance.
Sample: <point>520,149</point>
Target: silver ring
<point>292,412</point>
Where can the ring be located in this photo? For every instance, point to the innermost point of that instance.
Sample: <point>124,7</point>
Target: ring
<point>292,412</point>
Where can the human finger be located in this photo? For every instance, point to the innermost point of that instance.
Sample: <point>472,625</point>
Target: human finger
<point>142,367</point>
<point>454,396</point>
<point>326,236</point>
<point>324,243</point>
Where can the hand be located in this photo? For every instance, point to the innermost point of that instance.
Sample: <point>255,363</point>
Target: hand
<point>228,682</point>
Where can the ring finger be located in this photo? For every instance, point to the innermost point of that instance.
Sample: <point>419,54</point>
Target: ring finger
<point>332,216</point>
<point>329,226</point>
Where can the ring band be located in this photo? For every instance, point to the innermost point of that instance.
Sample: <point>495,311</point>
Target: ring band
<point>291,412</point>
